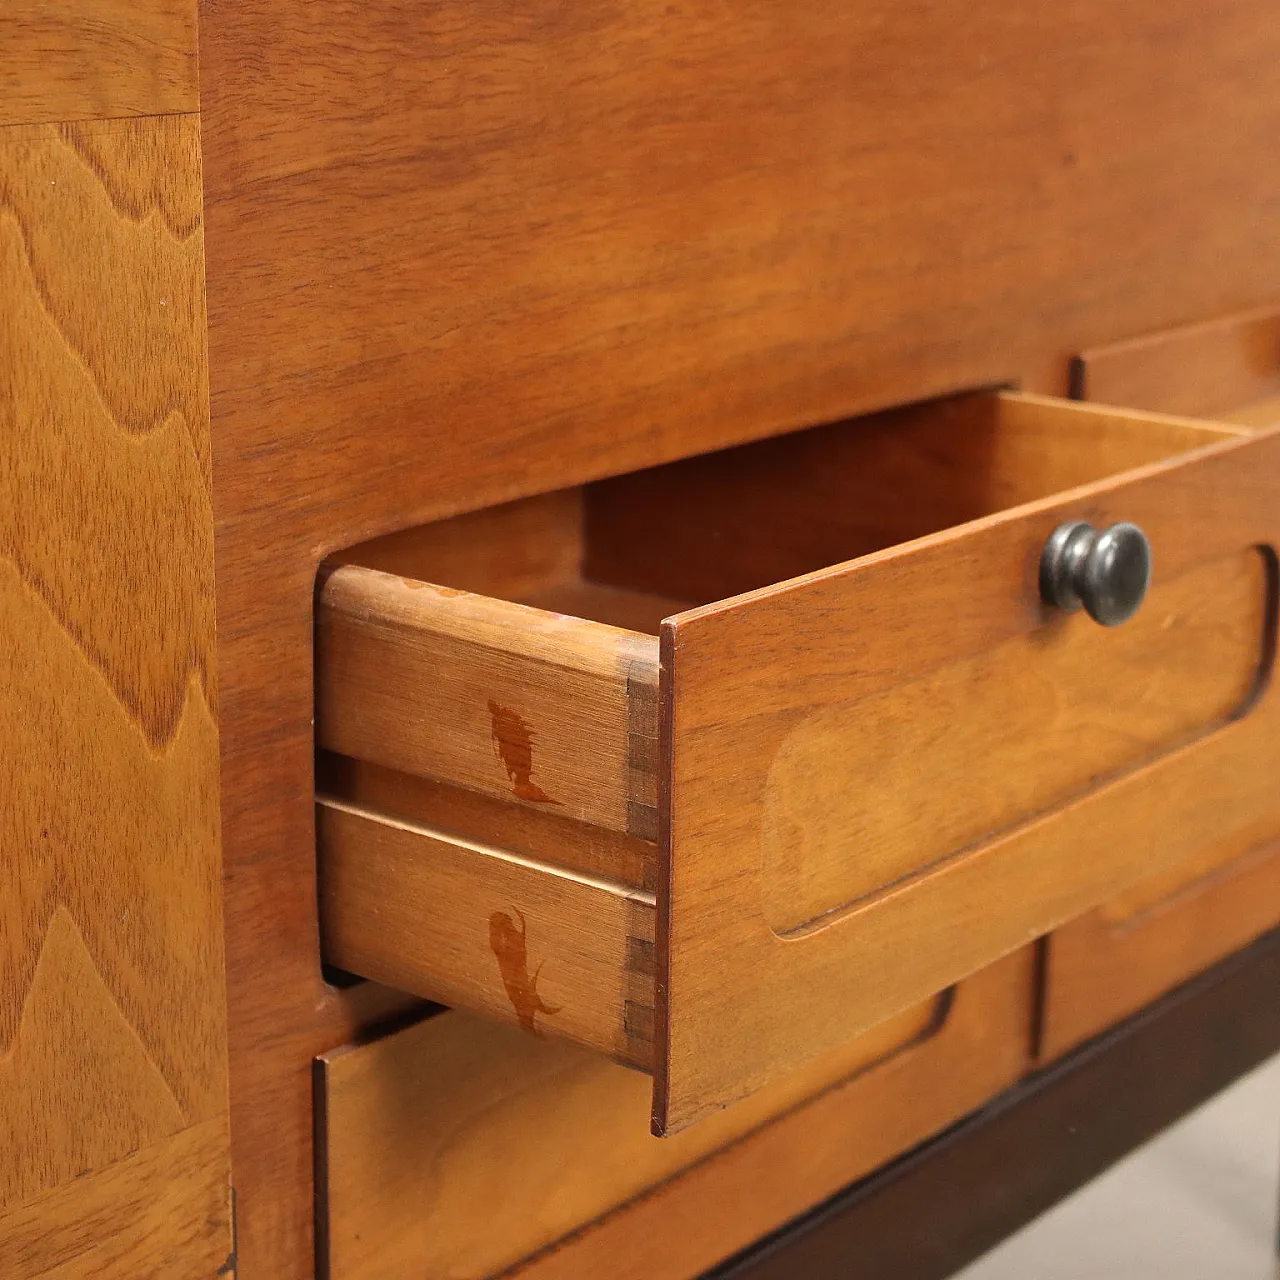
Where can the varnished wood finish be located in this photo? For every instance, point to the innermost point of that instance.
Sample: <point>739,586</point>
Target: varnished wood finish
<point>1166,928</point>
<point>741,519</point>
<point>538,832</point>
<point>1201,369</point>
<point>112,1003</point>
<point>1109,963</point>
<point>751,676</point>
<point>483,928</point>
<point>96,59</point>
<point>988,742</point>
<point>459,1148</point>
<point>510,550</point>
<point>515,702</point>
<point>161,1211</point>
<point>853,787</point>
<point>1078,1117</point>
<point>429,294</point>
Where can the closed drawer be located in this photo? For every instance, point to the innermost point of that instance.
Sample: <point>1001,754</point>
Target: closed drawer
<point>459,1148</point>
<point>1164,930</point>
<point>718,839</point>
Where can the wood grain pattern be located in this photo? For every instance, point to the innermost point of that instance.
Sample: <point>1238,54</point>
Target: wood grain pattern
<point>447,301</point>
<point>1080,1118</point>
<point>537,832</point>
<point>161,1211</point>
<point>1109,963</point>
<point>557,952</point>
<point>1202,369</point>
<point>1000,718</point>
<point>968,746</point>
<point>96,59</point>
<point>1170,926</point>
<point>112,1004</point>
<point>515,702</point>
<point>457,1148</point>
<point>738,1002</point>
<point>509,550</point>
<point>1056,715</point>
<point>740,519</point>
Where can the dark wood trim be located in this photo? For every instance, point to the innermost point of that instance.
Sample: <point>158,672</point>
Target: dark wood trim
<point>949,1201</point>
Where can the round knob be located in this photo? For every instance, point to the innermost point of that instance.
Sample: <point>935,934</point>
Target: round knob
<point>1107,571</point>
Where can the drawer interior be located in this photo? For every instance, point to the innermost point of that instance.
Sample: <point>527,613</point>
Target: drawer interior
<point>630,551</point>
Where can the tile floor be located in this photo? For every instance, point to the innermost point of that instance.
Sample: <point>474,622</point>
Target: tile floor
<point>1198,1203</point>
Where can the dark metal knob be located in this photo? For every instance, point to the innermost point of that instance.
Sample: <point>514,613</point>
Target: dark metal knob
<point>1107,571</point>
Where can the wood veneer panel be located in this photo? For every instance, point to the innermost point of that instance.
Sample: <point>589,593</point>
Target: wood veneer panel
<point>1078,1117</point>
<point>1202,369</point>
<point>97,59</point>
<point>460,1148</point>
<point>161,1211</point>
<point>460,254</point>
<point>1168,927</point>
<point>112,998</point>
<point>1109,963</point>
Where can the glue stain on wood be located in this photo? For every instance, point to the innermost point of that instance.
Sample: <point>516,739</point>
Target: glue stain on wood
<point>513,745</point>
<point>510,945</point>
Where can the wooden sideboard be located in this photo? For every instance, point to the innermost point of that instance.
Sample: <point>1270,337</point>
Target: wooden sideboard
<point>281,277</point>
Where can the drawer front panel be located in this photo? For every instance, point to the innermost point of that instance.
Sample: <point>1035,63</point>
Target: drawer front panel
<point>1109,963</point>
<point>459,1148</point>
<point>738,1003</point>
<point>987,743</point>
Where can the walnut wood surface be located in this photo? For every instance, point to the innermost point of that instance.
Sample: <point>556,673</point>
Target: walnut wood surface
<point>459,1148</point>
<point>113,1087</point>
<point>1166,928</point>
<point>740,519</point>
<point>509,550</point>
<point>96,59</point>
<point>555,951</point>
<point>1079,1116</point>
<point>535,707</point>
<point>1109,963</point>
<point>871,787</point>
<point>1056,717</point>
<point>600,240</point>
<point>161,1211</point>
<point>742,1000</point>
<point>538,832</point>
<point>1200,369</point>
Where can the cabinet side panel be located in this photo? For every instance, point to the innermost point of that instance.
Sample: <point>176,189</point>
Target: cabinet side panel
<point>112,999</point>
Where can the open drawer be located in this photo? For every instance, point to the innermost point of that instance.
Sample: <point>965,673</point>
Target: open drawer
<point>718,839</point>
